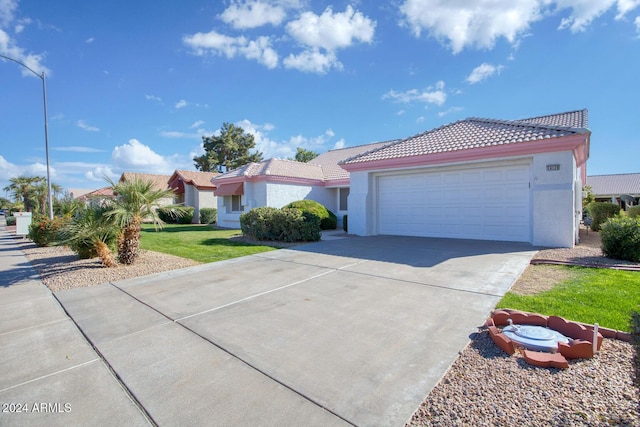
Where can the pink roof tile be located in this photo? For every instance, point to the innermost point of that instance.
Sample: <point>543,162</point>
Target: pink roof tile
<point>471,133</point>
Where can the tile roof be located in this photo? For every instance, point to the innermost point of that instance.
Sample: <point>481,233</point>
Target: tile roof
<point>573,119</point>
<point>197,178</point>
<point>609,185</point>
<point>160,182</point>
<point>474,133</point>
<point>277,167</point>
<point>100,192</point>
<point>330,160</point>
<point>325,167</point>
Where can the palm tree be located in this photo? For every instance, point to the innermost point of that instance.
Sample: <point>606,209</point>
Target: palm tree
<point>136,201</point>
<point>22,189</point>
<point>91,234</point>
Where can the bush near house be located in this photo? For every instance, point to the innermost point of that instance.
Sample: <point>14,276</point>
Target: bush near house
<point>621,238</point>
<point>600,212</point>
<point>169,215</point>
<point>328,220</point>
<point>286,224</point>
<point>44,231</point>
<point>11,220</point>
<point>633,211</point>
<point>208,215</point>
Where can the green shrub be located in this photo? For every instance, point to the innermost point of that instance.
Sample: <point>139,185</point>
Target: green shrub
<point>600,212</point>
<point>208,215</point>
<point>87,227</point>
<point>633,211</point>
<point>44,231</point>
<point>256,224</point>
<point>176,214</point>
<point>621,238</point>
<point>11,220</point>
<point>286,224</point>
<point>345,225</point>
<point>328,220</point>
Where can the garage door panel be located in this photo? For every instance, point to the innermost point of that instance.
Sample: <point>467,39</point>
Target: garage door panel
<point>482,203</point>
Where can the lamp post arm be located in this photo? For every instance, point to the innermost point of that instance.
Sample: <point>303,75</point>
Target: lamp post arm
<point>46,129</point>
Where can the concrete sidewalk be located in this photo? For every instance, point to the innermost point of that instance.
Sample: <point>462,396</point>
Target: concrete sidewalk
<point>49,374</point>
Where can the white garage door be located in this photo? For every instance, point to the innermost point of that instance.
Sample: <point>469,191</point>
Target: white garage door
<point>488,203</point>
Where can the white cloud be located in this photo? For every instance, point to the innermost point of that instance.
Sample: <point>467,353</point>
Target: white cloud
<point>480,23</point>
<point>84,126</point>
<point>181,104</point>
<point>483,72</point>
<point>180,135</point>
<point>89,40</point>
<point>330,30</point>
<point>100,173</point>
<point>8,10</point>
<point>138,157</point>
<point>76,149</point>
<point>637,24</point>
<point>197,124</point>
<point>153,98</point>
<point>431,95</point>
<point>313,61</point>
<point>449,111</point>
<point>8,170</point>
<point>253,14</point>
<point>215,43</point>
<point>9,47</point>
<point>339,144</point>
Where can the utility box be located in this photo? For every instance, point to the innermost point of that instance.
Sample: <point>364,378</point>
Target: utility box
<point>23,221</point>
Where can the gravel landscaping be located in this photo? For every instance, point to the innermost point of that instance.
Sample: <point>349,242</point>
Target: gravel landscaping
<point>484,386</point>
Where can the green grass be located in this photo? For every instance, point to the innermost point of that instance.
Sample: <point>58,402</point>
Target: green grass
<point>197,242</point>
<point>591,295</point>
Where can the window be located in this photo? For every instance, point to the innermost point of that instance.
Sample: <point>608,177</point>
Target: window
<point>344,196</point>
<point>236,203</point>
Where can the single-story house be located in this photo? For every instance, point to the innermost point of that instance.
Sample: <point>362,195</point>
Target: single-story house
<point>622,189</point>
<point>194,188</point>
<point>98,197</point>
<point>159,183</point>
<point>511,180</point>
<point>276,183</point>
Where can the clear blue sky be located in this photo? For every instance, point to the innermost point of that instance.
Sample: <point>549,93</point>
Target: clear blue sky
<point>133,85</point>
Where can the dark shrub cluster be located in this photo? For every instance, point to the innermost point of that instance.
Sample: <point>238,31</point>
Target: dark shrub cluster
<point>170,215</point>
<point>345,224</point>
<point>286,225</point>
<point>621,238</point>
<point>44,231</point>
<point>208,215</point>
<point>328,220</point>
<point>11,220</point>
<point>600,212</point>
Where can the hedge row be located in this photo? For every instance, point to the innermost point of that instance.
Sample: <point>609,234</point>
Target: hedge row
<point>286,225</point>
<point>600,212</point>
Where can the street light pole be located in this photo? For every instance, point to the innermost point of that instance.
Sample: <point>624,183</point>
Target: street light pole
<point>46,130</point>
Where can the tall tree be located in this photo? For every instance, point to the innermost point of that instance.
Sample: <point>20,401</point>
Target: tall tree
<point>229,150</point>
<point>304,156</point>
<point>23,189</point>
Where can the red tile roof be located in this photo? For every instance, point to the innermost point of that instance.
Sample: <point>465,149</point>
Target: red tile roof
<point>476,133</point>
<point>160,182</point>
<point>201,180</point>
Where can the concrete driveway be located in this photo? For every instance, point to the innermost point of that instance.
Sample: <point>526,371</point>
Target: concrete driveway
<point>354,331</point>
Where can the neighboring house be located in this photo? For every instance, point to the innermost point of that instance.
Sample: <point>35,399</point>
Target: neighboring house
<point>159,183</point>
<point>194,189</point>
<point>622,189</point>
<point>277,182</point>
<point>98,197</point>
<point>512,180</point>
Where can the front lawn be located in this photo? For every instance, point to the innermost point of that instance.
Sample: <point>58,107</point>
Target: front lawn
<point>197,242</point>
<point>590,295</point>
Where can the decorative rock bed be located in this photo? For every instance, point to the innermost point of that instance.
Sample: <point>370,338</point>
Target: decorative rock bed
<point>581,337</point>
